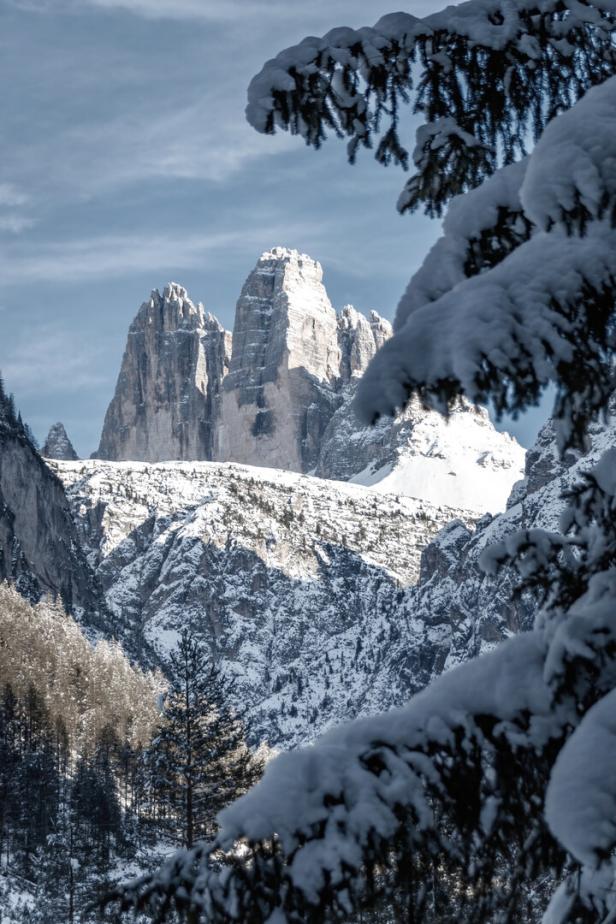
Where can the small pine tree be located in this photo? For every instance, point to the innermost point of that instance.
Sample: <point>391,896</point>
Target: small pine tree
<point>199,759</point>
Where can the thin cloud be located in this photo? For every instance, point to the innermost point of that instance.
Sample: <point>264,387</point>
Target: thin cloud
<point>12,220</point>
<point>56,356</point>
<point>15,224</point>
<point>11,195</point>
<point>205,139</point>
<point>214,11</point>
<point>113,256</point>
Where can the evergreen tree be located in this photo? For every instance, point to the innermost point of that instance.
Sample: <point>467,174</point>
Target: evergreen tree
<point>199,758</point>
<point>498,778</point>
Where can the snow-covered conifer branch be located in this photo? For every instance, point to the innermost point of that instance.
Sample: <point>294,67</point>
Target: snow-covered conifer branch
<point>544,314</point>
<point>480,229</point>
<point>504,335</point>
<point>483,75</point>
<point>581,797</point>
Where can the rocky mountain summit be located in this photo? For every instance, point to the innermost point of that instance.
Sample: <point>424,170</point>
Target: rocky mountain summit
<point>279,393</point>
<point>291,357</point>
<point>58,445</point>
<point>166,399</point>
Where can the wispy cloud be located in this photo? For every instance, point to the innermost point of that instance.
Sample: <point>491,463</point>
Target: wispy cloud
<point>13,218</point>
<point>199,134</point>
<point>112,256</point>
<point>205,140</point>
<point>56,356</point>
<point>11,196</point>
<point>15,224</point>
<point>218,11</point>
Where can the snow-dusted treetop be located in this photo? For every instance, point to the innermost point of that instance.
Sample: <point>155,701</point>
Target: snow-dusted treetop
<point>484,74</point>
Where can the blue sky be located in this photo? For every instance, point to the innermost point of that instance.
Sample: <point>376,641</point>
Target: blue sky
<point>125,162</point>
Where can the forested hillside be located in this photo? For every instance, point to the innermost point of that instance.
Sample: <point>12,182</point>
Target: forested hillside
<point>97,759</point>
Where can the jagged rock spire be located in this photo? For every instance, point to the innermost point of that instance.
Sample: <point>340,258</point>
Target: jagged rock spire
<point>166,397</point>
<point>291,356</point>
<point>58,445</point>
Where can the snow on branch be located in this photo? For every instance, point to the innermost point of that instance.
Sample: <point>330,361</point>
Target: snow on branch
<point>324,818</point>
<point>581,796</point>
<point>480,229</point>
<point>571,178</point>
<point>542,315</point>
<point>483,74</point>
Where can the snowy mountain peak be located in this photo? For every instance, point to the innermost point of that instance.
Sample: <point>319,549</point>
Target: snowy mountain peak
<point>359,338</point>
<point>287,255</point>
<point>461,461</point>
<point>173,291</point>
<point>58,445</point>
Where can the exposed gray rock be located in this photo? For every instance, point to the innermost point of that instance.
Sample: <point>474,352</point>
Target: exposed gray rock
<point>291,357</point>
<point>294,582</point>
<point>167,395</point>
<point>58,446</point>
<point>287,400</point>
<point>281,389</point>
<point>359,338</point>
<point>39,548</point>
<point>543,462</point>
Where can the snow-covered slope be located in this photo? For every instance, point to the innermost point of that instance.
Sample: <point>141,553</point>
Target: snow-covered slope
<point>460,461</point>
<point>474,609</point>
<point>295,582</point>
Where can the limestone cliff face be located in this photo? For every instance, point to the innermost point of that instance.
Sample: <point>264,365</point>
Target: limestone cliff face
<point>184,393</point>
<point>39,548</point>
<point>284,398</point>
<point>359,338</point>
<point>291,356</point>
<point>280,391</point>
<point>58,446</point>
<point>166,400</point>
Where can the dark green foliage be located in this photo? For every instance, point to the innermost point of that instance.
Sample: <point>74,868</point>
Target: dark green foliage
<point>12,419</point>
<point>481,98</point>
<point>198,759</point>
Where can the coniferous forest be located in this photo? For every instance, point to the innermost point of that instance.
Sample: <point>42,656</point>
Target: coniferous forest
<point>103,768</point>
